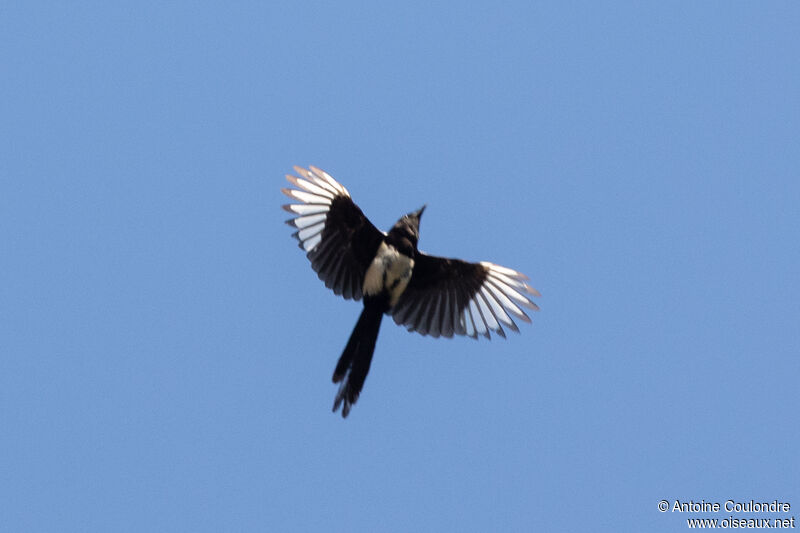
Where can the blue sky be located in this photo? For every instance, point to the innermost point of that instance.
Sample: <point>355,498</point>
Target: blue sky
<point>166,350</point>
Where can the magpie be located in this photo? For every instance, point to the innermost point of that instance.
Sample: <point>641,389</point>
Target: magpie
<point>431,295</point>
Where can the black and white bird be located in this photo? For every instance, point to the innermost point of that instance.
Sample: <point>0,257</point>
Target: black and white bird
<point>431,295</point>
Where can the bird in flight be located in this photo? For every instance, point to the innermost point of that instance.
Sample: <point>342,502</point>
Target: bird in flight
<point>431,295</point>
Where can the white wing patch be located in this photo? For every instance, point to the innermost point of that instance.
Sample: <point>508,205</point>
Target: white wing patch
<point>316,189</point>
<point>497,303</point>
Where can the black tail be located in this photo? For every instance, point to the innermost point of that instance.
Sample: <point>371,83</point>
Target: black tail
<point>353,365</point>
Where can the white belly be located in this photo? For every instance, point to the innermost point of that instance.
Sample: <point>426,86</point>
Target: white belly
<point>390,272</point>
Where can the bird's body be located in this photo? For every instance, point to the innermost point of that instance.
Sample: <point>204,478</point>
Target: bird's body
<point>388,273</point>
<point>431,295</point>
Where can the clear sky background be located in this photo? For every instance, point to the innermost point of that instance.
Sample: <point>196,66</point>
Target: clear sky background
<point>166,350</point>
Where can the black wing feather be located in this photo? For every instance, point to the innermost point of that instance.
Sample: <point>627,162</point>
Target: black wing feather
<point>342,250</point>
<point>439,293</point>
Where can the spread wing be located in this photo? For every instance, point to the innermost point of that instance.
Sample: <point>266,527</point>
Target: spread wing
<point>450,296</point>
<point>338,239</point>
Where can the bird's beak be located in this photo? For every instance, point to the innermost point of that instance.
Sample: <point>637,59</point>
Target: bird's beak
<point>419,211</point>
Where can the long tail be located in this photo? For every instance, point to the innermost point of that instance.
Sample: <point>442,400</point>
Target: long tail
<point>353,365</point>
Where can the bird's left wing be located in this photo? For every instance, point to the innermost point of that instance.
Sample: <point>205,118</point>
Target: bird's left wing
<point>338,239</point>
<point>450,296</point>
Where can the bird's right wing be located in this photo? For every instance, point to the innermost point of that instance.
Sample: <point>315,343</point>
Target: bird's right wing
<point>338,239</point>
<point>450,296</point>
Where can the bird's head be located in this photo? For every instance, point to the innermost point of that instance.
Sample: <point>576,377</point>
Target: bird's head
<point>407,228</point>
<point>413,218</point>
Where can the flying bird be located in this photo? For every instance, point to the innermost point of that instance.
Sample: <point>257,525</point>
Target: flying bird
<point>431,295</point>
